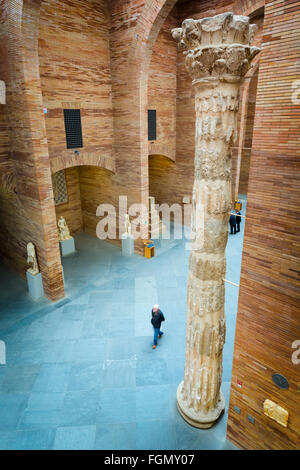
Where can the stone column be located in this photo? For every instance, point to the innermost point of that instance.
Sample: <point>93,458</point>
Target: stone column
<point>218,56</point>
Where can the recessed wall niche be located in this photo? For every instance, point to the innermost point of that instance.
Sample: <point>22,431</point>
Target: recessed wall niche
<point>59,187</point>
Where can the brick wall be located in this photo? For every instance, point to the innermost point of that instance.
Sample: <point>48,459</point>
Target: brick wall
<point>162,89</point>
<point>74,63</point>
<point>268,311</point>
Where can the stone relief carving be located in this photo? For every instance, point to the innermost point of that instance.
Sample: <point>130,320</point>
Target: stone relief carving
<point>276,412</point>
<point>212,164</point>
<point>218,54</point>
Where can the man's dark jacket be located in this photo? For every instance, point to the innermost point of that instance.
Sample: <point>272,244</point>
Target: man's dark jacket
<point>157,318</point>
<point>238,217</point>
<point>232,219</point>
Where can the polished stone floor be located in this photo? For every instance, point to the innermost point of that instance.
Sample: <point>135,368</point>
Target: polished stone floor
<point>81,374</point>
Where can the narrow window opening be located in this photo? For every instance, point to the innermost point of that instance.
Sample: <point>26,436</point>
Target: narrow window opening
<point>73,128</point>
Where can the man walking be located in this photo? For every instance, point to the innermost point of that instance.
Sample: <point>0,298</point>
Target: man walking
<point>238,220</point>
<point>157,318</point>
<point>232,223</point>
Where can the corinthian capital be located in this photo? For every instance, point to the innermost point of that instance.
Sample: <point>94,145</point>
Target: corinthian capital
<point>217,48</point>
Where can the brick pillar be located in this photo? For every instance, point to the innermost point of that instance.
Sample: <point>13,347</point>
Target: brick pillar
<point>34,219</point>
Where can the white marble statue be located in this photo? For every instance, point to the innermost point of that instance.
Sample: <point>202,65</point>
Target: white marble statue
<point>32,259</point>
<point>127,225</point>
<point>63,230</point>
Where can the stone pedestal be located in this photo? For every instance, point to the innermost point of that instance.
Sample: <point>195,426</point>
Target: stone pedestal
<point>67,246</point>
<point>35,285</point>
<point>127,245</point>
<point>218,56</point>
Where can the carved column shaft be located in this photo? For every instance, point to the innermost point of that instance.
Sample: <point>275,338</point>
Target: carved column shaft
<point>218,55</point>
<point>215,127</point>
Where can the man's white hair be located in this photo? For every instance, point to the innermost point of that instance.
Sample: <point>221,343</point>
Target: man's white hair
<point>155,307</point>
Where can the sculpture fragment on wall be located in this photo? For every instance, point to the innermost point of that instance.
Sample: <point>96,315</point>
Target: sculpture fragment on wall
<point>276,412</point>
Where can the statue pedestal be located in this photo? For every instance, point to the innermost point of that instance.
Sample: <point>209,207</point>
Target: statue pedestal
<point>127,244</point>
<point>67,246</point>
<point>35,285</point>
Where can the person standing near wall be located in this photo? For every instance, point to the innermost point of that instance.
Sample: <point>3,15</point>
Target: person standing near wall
<point>232,223</point>
<point>156,320</point>
<point>238,220</point>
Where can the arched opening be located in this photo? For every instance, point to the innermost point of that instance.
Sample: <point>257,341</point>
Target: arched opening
<point>242,189</point>
<point>161,183</point>
<point>241,153</point>
<point>83,167</point>
<point>78,192</point>
<point>169,206</point>
<point>137,70</point>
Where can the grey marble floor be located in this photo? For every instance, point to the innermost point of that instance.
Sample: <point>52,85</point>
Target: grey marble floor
<point>81,373</point>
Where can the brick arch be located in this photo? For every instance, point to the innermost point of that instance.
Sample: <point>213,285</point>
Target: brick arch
<point>83,159</point>
<point>247,7</point>
<point>162,154</point>
<point>255,65</point>
<point>161,151</point>
<point>146,31</point>
<point>243,116</point>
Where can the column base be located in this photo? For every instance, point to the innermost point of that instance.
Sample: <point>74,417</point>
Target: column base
<point>199,419</point>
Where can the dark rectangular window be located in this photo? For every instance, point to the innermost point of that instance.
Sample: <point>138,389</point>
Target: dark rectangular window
<point>151,124</point>
<point>73,128</point>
